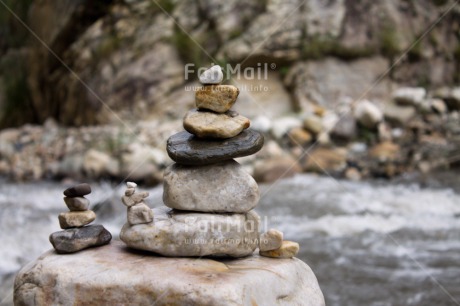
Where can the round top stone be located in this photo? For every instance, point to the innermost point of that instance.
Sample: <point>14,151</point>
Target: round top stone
<point>187,149</point>
<point>131,185</point>
<point>212,75</point>
<point>78,190</point>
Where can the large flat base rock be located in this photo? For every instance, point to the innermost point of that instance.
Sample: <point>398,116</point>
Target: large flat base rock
<point>184,233</point>
<point>114,275</point>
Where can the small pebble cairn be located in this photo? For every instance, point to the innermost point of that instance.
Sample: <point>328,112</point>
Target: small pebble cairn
<point>78,234</point>
<point>138,211</point>
<point>209,198</point>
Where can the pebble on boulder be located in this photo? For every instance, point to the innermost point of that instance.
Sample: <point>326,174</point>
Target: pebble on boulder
<point>270,240</point>
<point>218,98</point>
<point>134,198</point>
<point>76,218</point>
<point>288,249</point>
<point>209,124</point>
<point>78,190</point>
<point>129,191</point>
<point>138,211</point>
<point>139,214</point>
<point>212,75</point>
<point>76,239</point>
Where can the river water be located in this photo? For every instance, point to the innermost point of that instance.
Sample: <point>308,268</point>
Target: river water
<point>369,243</point>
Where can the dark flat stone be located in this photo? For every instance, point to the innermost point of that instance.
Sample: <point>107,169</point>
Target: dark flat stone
<point>184,148</point>
<point>78,190</point>
<point>77,239</point>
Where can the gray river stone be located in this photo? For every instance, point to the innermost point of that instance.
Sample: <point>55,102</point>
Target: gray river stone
<point>222,187</point>
<point>113,275</point>
<point>77,203</point>
<point>178,233</point>
<point>76,239</point>
<point>79,190</point>
<point>185,148</point>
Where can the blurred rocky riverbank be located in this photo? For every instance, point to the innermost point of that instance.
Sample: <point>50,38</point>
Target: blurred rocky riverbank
<point>115,85</point>
<point>416,131</point>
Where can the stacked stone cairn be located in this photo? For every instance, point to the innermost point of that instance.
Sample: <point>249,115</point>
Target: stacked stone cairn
<point>77,234</point>
<point>209,197</point>
<point>138,211</point>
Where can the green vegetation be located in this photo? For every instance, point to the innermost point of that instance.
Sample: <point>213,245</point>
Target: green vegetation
<point>457,63</point>
<point>159,6</point>
<point>16,108</point>
<point>389,44</point>
<point>318,47</point>
<point>440,2</point>
<point>189,49</point>
<point>235,33</point>
<point>415,53</point>
<point>12,32</point>
<point>107,46</point>
<point>284,70</point>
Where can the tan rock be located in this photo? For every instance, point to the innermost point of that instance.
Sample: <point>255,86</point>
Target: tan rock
<point>76,218</point>
<point>218,98</point>
<point>325,159</point>
<point>300,137</point>
<point>210,124</point>
<point>313,123</point>
<point>288,249</point>
<point>368,114</point>
<point>385,151</point>
<point>134,199</point>
<point>130,191</point>
<point>271,240</point>
<point>353,174</point>
<point>113,275</point>
<point>275,168</point>
<point>140,214</point>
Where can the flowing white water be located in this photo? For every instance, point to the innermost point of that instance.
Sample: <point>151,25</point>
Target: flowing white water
<point>368,243</point>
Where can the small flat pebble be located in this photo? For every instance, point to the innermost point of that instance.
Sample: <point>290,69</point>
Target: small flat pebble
<point>271,240</point>
<point>77,203</point>
<point>288,249</point>
<point>78,190</point>
<point>76,239</point>
<point>76,218</point>
<point>217,98</point>
<point>213,125</point>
